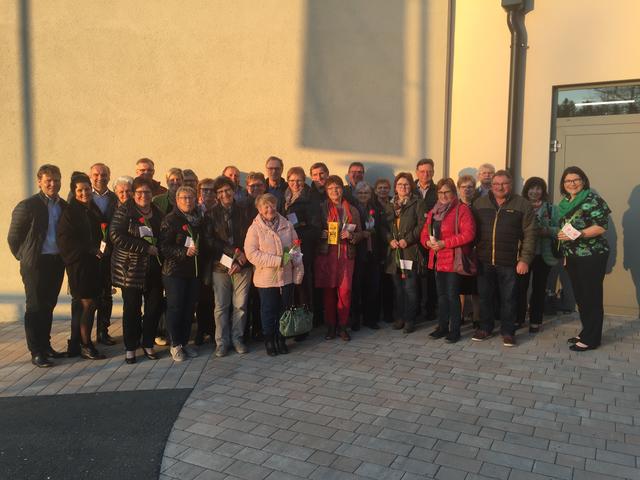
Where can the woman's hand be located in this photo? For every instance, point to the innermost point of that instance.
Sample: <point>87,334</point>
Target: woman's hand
<point>394,244</point>
<point>562,237</point>
<point>435,246</point>
<point>345,235</point>
<point>192,251</point>
<point>402,243</point>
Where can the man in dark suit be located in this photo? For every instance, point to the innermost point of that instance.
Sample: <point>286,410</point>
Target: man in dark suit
<point>107,203</point>
<point>355,175</point>
<point>32,240</point>
<point>426,190</point>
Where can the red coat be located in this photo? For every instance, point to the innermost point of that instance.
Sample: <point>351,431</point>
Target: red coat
<point>466,235</point>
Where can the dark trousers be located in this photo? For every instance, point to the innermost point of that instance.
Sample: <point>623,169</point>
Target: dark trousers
<point>204,310</point>
<point>539,270</point>
<point>41,287</point>
<point>365,291</point>
<point>406,297</point>
<point>274,301</point>
<point>253,329</point>
<point>182,295</point>
<point>492,279</point>
<point>104,302</point>
<point>428,294</point>
<point>384,301</point>
<point>449,309</point>
<point>134,323</point>
<point>587,275</point>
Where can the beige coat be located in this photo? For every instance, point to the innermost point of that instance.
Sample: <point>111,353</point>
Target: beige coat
<point>264,248</point>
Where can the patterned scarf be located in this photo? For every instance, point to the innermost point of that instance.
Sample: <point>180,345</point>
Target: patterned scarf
<point>272,224</point>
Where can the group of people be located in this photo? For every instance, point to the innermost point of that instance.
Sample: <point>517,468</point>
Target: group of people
<point>234,258</point>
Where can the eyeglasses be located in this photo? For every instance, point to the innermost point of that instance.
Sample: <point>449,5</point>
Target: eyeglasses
<point>255,186</point>
<point>296,181</point>
<point>467,186</point>
<point>224,191</point>
<point>187,199</point>
<point>572,181</point>
<point>445,192</point>
<point>207,190</point>
<point>501,185</point>
<point>142,192</point>
<point>403,185</point>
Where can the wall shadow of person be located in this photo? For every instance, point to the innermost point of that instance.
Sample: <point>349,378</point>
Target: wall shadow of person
<point>631,240</point>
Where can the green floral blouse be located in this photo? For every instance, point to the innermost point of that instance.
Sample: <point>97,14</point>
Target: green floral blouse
<point>593,211</point>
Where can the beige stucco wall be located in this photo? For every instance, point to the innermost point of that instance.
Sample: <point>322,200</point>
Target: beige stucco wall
<point>570,41</point>
<point>204,83</point>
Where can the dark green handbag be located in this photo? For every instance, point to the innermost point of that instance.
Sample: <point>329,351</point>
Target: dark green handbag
<point>296,321</point>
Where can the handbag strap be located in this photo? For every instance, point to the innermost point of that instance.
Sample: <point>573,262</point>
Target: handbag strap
<point>457,215</point>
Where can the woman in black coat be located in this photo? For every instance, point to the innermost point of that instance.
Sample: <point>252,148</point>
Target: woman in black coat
<point>82,244</point>
<point>181,241</point>
<point>136,268</point>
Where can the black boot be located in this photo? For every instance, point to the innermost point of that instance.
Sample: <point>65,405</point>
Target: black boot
<point>281,343</point>
<point>104,338</point>
<point>270,346</point>
<point>89,352</point>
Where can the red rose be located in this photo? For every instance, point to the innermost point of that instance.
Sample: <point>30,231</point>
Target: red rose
<point>185,228</point>
<point>141,220</point>
<point>104,226</point>
<point>297,242</point>
<point>237,251</point>
<point>372,212</point>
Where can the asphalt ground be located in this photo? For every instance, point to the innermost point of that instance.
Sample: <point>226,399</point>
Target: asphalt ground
<point>110,435</point>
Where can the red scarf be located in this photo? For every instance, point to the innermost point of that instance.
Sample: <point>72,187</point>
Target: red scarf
<point>334,216</point>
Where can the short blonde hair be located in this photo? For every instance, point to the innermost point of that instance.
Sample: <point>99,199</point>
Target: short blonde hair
<point>266,198</point>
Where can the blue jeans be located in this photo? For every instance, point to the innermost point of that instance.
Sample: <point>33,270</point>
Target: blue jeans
<point>448,285</point>
<point>492,279</point>
<point>406,300</point>
<point>182,295</point>
<point>273,302</point>
<point>231,294</point>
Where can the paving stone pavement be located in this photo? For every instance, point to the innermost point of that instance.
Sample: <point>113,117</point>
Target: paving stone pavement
<point>385,406</point>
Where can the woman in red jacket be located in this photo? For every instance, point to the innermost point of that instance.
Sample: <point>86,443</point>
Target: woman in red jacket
<point>440,237</point>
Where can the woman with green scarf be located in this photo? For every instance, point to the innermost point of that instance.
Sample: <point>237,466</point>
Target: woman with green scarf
<point>583,219</point>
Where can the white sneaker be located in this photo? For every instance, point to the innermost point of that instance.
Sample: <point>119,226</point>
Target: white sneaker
<point>190,351</point>
<point>177,353</point>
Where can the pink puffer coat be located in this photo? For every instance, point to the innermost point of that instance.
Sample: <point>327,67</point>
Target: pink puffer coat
<point>264,249</point>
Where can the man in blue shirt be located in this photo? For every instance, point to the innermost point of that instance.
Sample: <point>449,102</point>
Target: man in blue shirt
<point>32,240</point>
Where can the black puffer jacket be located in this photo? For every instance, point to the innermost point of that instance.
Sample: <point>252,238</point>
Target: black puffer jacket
<point>505,234</point>
<point>308,221</point>
<point>172,241</point>
<point>130,260</point>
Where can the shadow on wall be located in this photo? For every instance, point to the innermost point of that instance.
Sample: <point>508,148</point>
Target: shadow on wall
<point>631,239</point>
<point>354,76</point>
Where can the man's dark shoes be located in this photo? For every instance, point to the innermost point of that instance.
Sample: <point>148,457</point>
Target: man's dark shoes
<point>105,339</point>
<point>480,336</point>
<point>439,333</point>
<point>51,353</point>
<point>573,340</point>
<point>270,347</point>
<point>508,340</point>
<point>90,352</point>
<point>534,328</point>
<point>41,361</point>
<point>452,337</point>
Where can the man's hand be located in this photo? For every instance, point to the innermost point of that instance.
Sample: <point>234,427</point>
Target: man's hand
<point>242,259</point>
<point>402,243</point>
<point>235,268</point>
<point>393,244</point>
<point>522,268</point>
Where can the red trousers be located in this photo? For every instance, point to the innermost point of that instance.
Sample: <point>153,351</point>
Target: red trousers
<point>337,301</point>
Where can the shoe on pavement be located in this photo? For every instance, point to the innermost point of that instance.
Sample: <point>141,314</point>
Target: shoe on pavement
<point>439,333</point>
<point>221,351</point>
<point>240,348</point>
<point>41,361</point>
<point>509,341</point>
<point>177,353</point>
<point>480,336</point>
<point>452,338</point>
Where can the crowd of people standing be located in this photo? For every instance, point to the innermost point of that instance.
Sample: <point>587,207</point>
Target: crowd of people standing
<point>234,258</point>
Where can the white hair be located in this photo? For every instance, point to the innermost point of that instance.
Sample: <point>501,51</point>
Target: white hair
<point>122,180</point>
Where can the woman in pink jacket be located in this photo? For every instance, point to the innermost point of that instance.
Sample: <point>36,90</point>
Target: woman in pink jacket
<point>272,246</point>
<point>439,236</point>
